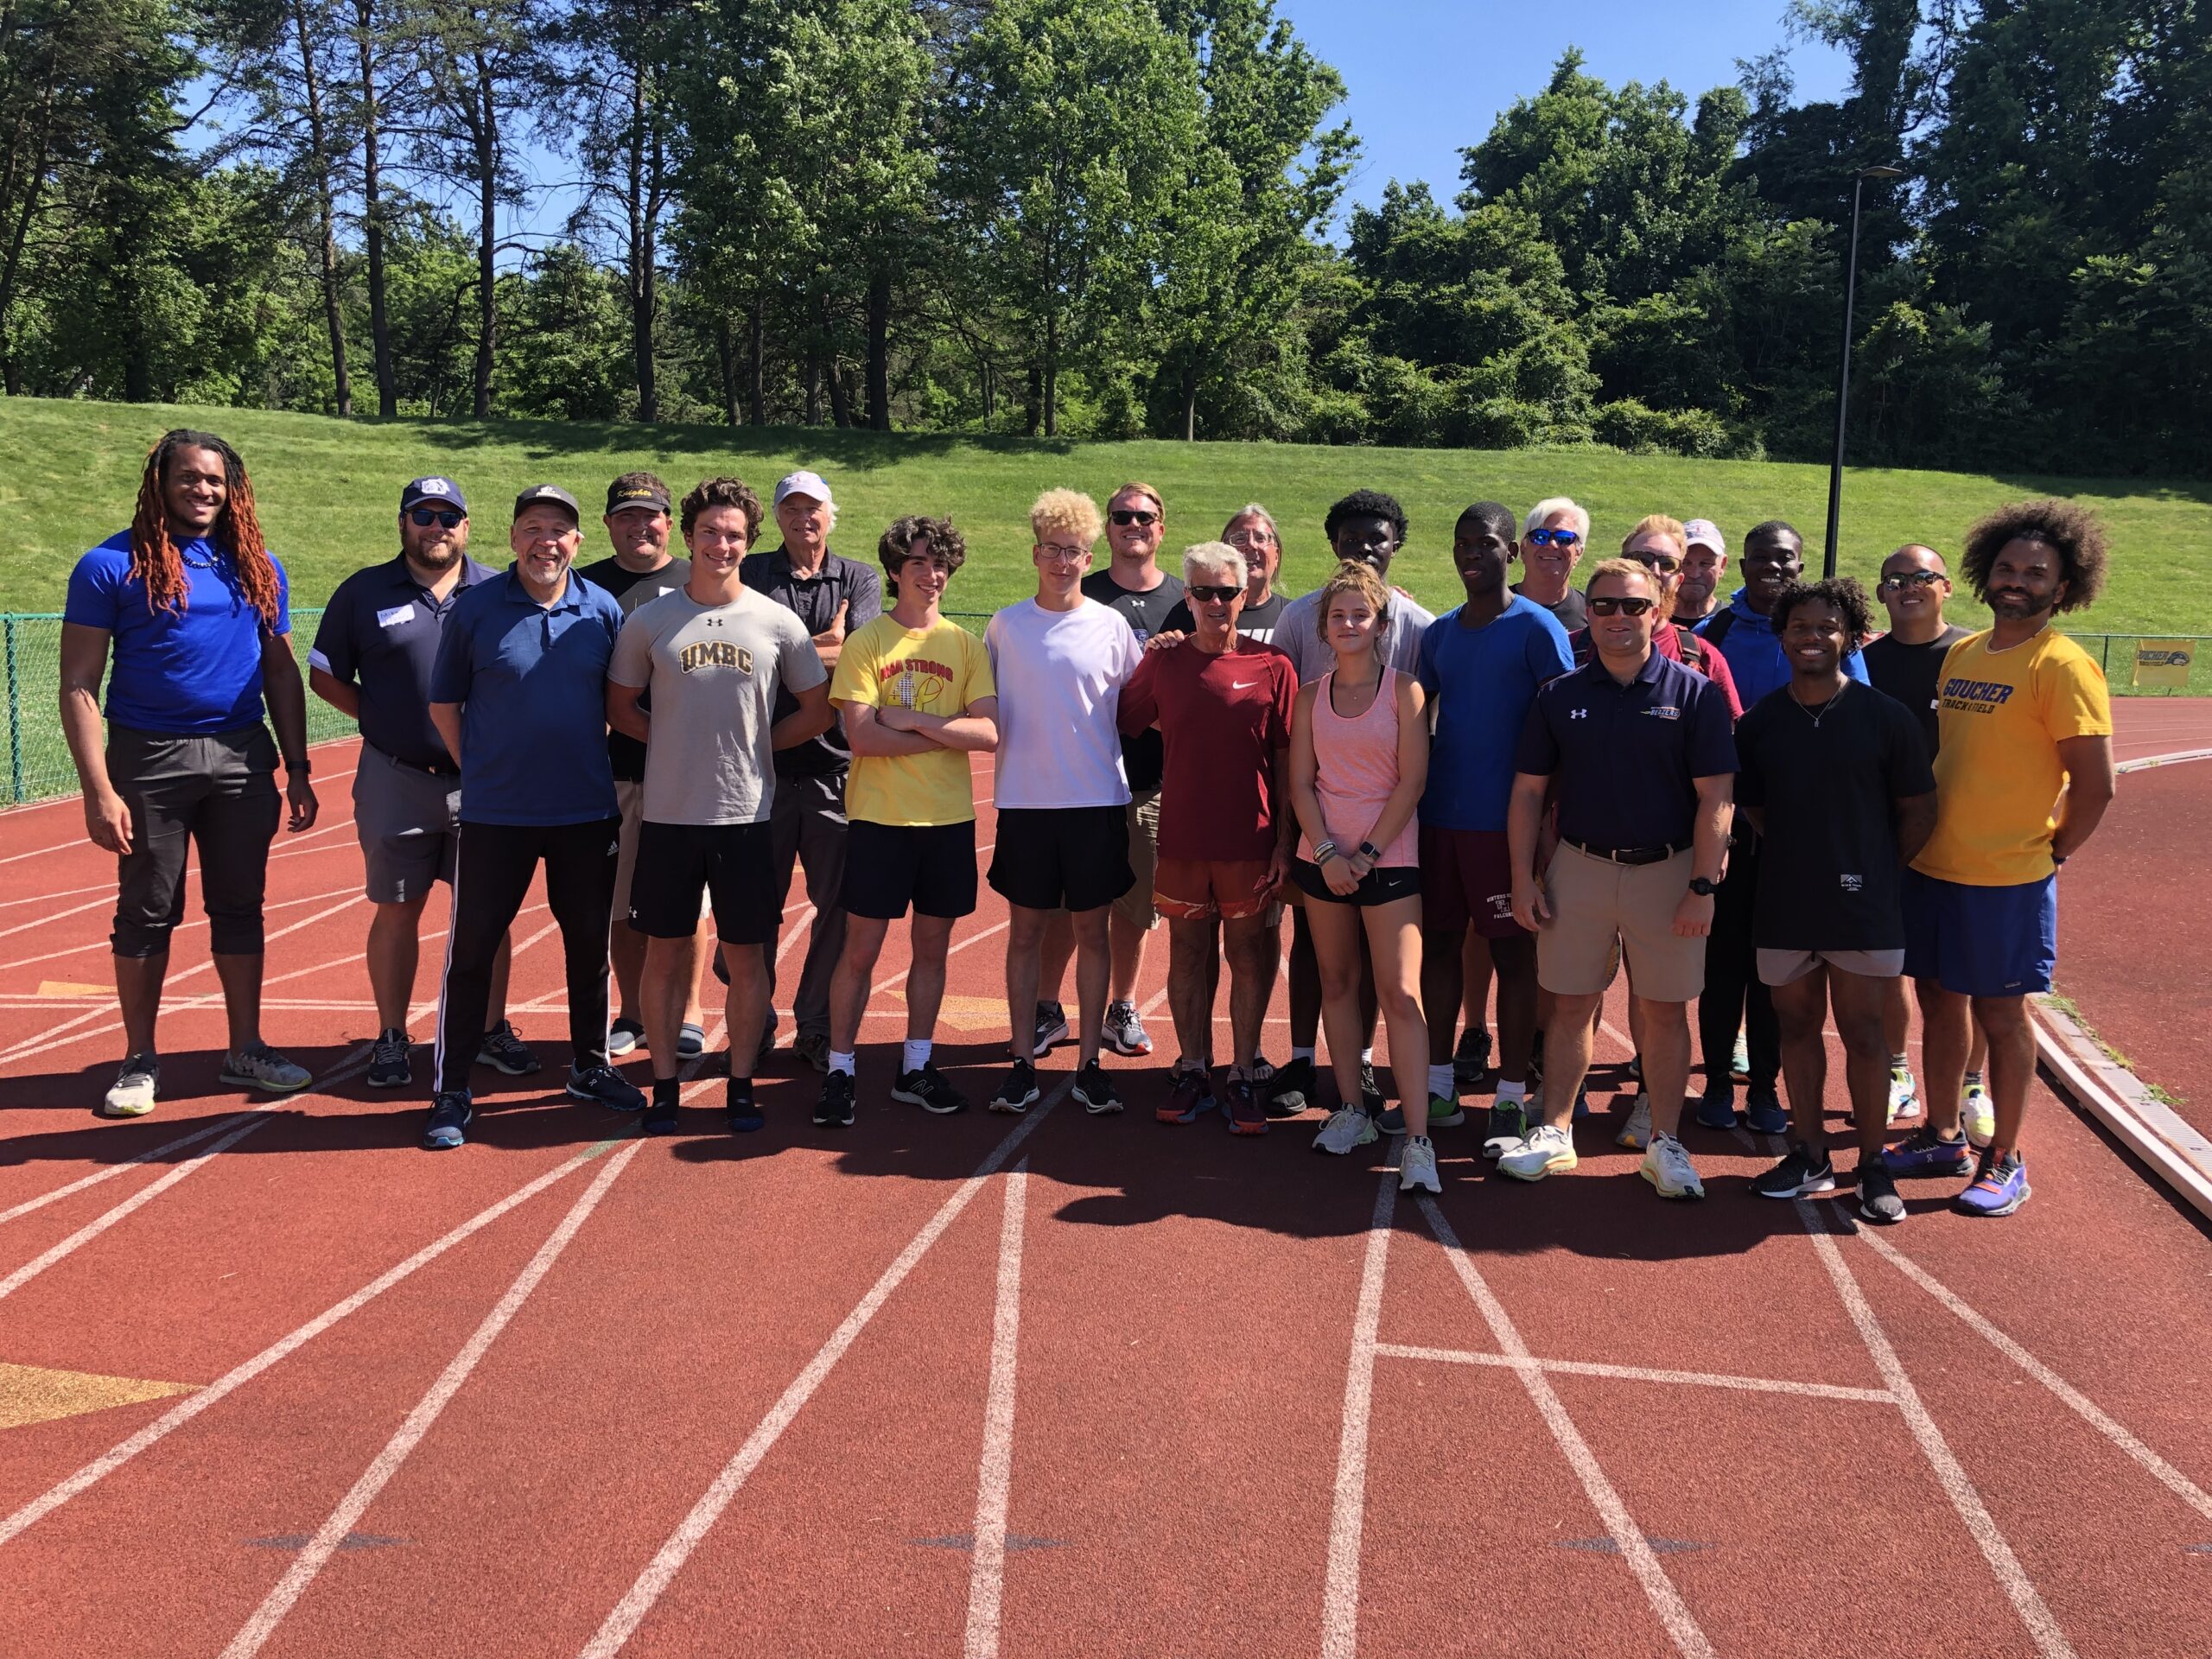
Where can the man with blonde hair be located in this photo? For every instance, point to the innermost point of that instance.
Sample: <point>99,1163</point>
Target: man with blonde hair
<point>1551,545</point>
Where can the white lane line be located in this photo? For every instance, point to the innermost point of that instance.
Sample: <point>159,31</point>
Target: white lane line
<point>659,1573</point>
<point>151,1155</point>
<point>102,945</point>
<point>797,931</point>
<point>145,1195</point>
<point>2050,1640</point>
<point>1348,1508</point>
<point>236,1378</point>
<point>1667,1601</point>
<point>104,902</point>
<point>1639,1374</point>
<point>310,1560</point>
<point>2167,1475</point>
<point>995,1478</point>
<point>898,978</point>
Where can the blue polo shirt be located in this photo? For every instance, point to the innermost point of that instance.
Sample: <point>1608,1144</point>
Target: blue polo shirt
<point>1626,755</point>
<point>379,633</point>
<point>1481,681</point>
<point>532,683</point>
<point>1754,651</point>
<point>196,668</point>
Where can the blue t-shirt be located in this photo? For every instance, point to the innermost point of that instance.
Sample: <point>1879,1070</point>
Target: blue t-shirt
<point>1754,651</point>
<point>1481,681</point>
<point>196,668</point>
<point>532,683</point>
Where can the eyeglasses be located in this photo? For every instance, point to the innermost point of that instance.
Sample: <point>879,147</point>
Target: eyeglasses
<point>1665,565</point>
<point>1056,551</point>
<point>1898,583</point>
<point>1127,516</point>
<point>1624,606</point>
<point>425,516</point>
<point>1250,538</point>
<point>1210,595</point>
<point>1553,537</point>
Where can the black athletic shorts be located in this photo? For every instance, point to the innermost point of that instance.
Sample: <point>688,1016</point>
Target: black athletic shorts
<point>1378,887</point>
<point>890,865</point>
<point>1062,857</point>
<point>729,859</point>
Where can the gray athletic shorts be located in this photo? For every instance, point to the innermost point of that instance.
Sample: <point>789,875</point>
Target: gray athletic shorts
<point>407,820</point>
<point>1786,967</point>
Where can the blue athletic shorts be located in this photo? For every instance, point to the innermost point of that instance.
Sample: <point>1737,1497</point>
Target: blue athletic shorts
<point>1981,941</point>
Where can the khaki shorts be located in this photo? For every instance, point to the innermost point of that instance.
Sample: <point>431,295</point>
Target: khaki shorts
<point>1594,903</point>
<point>1136,906</point>
<point>1786,967</point>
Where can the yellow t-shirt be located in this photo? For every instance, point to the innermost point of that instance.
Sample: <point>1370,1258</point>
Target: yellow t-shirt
<point>2003,714</point>
<point>940,670</point>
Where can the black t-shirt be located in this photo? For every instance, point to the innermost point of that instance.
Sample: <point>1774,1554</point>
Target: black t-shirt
<point>632,588</point>
<point>1571,613</point>
<point>1829,874</point>
<point>1143,756</point>
<point>1255,622</point>
<point>1909,674</point>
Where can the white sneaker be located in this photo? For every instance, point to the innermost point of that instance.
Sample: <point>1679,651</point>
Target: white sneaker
<point>1635,1133</point>
<point>1549,1150</point>
<point>132,1095</point>
<point>1904,1094</point>
<point>1348,1128</point>
<point>1978,1116</point>
<point>1667,1167</point>
<point>1417,1167</point>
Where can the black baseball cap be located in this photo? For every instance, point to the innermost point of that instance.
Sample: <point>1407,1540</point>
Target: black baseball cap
<point>433,489</point>
<point>633,490</point>
<point>537,493</point>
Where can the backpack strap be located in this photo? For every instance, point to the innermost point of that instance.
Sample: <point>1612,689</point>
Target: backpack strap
<point>1716,629</point>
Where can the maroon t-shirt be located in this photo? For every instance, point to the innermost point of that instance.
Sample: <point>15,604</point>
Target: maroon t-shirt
<point>1222,718</point>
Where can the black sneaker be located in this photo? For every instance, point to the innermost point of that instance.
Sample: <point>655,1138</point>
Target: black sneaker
<point>1051,1028</point>
<point>1802,1172</point>
<point>738,1107</point>
<point>930,1089</point>
<point>1019,1091</point>
<point>388,1066</point>
<point>1370,1092</point>
<point>661,1114</point>
<point>1471,1060</point>
<point>624,1037</point>
<point>604,1086</point>
<point>450,1115</point>
<point>1293,1090</point>
<point>1877,1193</point>
<point>1096,1092</point>
<point>835,1108</point>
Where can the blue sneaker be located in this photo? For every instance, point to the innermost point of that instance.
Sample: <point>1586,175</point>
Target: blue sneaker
<point>1926,1153</point>
<point>1192,1096</point>
<point>450,1115</point>
<point>2000,1186</point>
<point>1716,1107</point>
<point>604,1086</point>
<point>1763,1111</point>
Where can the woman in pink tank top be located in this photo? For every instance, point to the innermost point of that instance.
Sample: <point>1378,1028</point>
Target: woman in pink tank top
<point>1358,760</point>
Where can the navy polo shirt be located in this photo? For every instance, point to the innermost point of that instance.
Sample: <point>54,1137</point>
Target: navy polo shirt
<point>379,634</point>
<point>1626,755</point>
<point>532,683</point>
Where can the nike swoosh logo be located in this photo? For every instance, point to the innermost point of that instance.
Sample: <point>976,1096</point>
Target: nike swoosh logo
<point>1242,685</point>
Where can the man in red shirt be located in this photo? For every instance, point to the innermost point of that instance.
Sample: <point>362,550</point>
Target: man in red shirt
<point>1223,705</point>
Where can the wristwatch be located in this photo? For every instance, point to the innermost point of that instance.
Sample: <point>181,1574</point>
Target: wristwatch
<point>1700,886</point>
<point>1373,853</point>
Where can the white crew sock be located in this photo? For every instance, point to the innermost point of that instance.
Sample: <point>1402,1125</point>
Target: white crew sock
<point>1441,1086</point>
<point>917,1053</point>
<point>1367,1057</point>
<point>841,1063</point>
<point>1512,1091</point>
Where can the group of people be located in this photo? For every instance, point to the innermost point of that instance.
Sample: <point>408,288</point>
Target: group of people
<point>1754,804</point>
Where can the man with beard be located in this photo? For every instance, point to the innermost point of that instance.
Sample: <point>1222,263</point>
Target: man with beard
<point>371,661</point>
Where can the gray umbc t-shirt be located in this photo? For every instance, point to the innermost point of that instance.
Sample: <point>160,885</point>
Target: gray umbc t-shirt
<point>713,671</point>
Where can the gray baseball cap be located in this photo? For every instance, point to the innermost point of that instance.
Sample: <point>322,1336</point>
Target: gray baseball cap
<point>537,493</point>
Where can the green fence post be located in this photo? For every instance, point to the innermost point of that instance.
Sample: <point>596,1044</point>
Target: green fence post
<point>15,719</point>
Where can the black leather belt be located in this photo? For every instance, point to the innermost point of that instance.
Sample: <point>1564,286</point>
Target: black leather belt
<point>1628,855</point>
<point>449,774</point>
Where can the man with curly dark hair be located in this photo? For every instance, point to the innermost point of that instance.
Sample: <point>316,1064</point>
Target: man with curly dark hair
<point>2026,726</point>
<point>1835,778</point>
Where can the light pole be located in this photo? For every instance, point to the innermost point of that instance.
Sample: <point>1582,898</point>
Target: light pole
<point>1843,371</point>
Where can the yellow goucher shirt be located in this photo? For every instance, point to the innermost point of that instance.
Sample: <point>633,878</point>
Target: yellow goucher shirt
<point>2003,714</point>
<point>940,671</point>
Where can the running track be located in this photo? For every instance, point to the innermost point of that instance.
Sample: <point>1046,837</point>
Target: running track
<point>1055,1385</point>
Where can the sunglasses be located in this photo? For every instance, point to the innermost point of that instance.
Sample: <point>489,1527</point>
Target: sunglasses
<point>1897,584</point>
<point>1210,595</point>
<point>1553,537</point>
<point>425,516</point>
<point>1622,606</point>
<point>1127,516</point>
<point>1664,564</point>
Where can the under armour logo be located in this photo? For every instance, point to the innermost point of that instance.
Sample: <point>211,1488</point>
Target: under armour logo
<point>1577,714</point>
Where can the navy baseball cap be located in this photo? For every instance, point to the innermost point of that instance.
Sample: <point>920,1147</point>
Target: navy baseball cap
<point>554,493</point>
<point>433,489</point>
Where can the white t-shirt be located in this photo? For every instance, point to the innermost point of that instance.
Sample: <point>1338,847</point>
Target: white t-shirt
<point>1059,676</point>
<point>1296,636</point>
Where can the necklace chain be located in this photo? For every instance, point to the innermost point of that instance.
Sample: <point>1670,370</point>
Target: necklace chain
<point>1817,718</point>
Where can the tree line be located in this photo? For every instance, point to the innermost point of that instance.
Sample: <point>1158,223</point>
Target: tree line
<point>1110,218</point>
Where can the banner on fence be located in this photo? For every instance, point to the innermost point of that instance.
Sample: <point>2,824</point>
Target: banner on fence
<point>2164,664</point>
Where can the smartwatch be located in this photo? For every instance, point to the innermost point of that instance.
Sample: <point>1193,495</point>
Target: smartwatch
<point>1700,886</point>
<point>1373,853</point>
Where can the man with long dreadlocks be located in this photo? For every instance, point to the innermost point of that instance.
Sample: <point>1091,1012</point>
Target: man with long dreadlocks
<point>193,608</point>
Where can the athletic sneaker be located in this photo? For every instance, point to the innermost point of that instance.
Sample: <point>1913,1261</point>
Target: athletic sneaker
<point>661,1114</point>
<point>1716,1107</point>
<point>450,1115</point>
<point>1417,1167</point>
<point>931,1089</point>
<point>1667,1166</point>
<point>605,1086</point>
<point>1635,1133</point>
<point>834,1109</point>
<point>1740,1059</point>
<point>1926,1153</point>
<point>1370,1092</point>
<point>388,1066</point>
<point>132,1093</point>
<point>1191,1095</point>
<point>1471,1060</point>
<point>1020,1090</point>
<point>1877,1193</point>
<point>1123,1031</point>
<point>504,1050</point>
<point>1347,1130</point>
<point>1802,1172</point>
<point>1978,1116</point>
<point>1905,1093</point>
<point>1445,1114</point>
<point>740,1110</point>
<point>813,1047</point>
<point>1636,1068</point>
<point>1763,1110</point>
<point>1536,1058</point>
<point>1391,1120</point>
<point>1292,1091</point>
<point>1547,1151</point>
<point>1051,1028</point>
<point>262,1067</point>
<point>691,1041</point>
<point>1096,1091</point>
<point>1507,1129</point>
<point>624,1037</point>
<point>1999,1186</point>
<point>1243,1111</point>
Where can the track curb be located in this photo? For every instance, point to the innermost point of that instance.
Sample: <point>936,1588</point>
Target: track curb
<point>2176,1152</point>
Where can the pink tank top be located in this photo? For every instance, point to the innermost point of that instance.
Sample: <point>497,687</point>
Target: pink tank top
<point>1355,768</point>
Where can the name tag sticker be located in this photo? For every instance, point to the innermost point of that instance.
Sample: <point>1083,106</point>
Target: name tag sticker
<point>397,614</point>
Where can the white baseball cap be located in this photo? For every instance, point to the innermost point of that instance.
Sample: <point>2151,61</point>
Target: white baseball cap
<point>1698,533</point>
<point>803,484</point>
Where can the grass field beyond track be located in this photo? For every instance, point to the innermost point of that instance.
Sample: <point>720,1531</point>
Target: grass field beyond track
<point>328,491</point>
